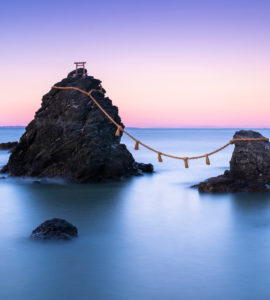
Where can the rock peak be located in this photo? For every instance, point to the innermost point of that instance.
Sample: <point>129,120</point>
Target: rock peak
<point>71,138</point>
<point>79,72</point>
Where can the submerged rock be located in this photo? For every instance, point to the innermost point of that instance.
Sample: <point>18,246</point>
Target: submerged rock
<point>72,139</point>
<point>54,229</point>
<point>8,145</point>
<point>249,167</point>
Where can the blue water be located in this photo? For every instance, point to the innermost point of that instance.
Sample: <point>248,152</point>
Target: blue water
<point>150,237</point>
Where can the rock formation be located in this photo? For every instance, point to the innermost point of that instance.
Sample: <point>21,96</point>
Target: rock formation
<point>145,168</point>
<point>8,146</point>
<point>249,167</point>
<point>71,138</point>
<point>54,229</point>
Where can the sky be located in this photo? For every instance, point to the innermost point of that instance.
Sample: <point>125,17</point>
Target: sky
<point>191,63</point>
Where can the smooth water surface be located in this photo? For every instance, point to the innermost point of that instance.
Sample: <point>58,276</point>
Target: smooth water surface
<point>149,237</point>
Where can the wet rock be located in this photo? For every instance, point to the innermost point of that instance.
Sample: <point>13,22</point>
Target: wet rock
<point>54,229</point>
<point>146,168</point>
<point>71,138</point>
<point>227,184</point>
<point>249,168</point>
<point>8,145</point>
<point>250,160</point>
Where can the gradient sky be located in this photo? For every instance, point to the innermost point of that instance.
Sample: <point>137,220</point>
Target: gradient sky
<point>164,63</point>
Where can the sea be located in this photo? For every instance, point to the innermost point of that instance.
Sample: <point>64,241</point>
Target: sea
<point>150,237</point>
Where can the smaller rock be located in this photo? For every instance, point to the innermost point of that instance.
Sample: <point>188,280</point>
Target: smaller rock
<point>146,168</point>
<point>54,229</point>
<point>249,167</point>
<point>228,184</point>
<point>8,146</point>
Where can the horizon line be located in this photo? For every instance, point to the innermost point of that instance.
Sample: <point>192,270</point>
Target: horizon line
<point>141,127</point>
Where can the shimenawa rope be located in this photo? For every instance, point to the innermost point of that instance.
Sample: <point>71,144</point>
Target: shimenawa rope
<point>138,142</point>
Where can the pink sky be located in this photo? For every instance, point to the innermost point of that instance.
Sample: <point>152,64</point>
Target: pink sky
<point>208,68</point>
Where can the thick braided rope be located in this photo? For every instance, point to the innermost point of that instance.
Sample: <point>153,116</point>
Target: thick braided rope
<point>138,142</point>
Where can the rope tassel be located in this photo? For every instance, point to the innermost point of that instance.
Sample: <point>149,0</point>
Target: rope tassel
<point>136,145</point>
<point>207,160</point>
<point>117,133</point>
<point>159,157</point>
<point>186,163</point>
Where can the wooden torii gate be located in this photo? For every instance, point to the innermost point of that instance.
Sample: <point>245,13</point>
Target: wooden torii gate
<point>80,64</point>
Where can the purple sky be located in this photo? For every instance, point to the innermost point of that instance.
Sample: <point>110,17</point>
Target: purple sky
<point>164,63</point>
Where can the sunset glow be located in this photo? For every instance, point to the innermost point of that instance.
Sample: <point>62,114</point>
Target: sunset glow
<point>164,64</point>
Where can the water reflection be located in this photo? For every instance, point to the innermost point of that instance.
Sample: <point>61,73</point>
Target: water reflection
<point>251,202</point>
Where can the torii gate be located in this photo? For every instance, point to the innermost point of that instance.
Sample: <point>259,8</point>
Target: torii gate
<point>80,64</point>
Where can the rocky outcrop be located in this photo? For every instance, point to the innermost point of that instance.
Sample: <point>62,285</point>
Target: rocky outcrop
<point>250,160</point>
<point>54,229</point>
<point>145,168</point>
<point>249,168</point>
<point>72,139</point>
<point>228,184</point>
<point>8,146</point>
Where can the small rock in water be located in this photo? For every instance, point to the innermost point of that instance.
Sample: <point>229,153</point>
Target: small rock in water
<point>54,229</point>
<point>146,168</point>
<point>249,168</point>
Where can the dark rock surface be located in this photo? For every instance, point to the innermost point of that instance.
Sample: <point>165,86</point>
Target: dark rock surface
<point>72,139</point>
<point>8,145</point>
<point>249,168</point>
<point>250,160</point>
<point>146,168</point>
<point>54,229</point>
<point>228,184</point>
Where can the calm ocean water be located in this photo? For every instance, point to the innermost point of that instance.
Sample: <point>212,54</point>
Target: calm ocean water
<point>149,237</point>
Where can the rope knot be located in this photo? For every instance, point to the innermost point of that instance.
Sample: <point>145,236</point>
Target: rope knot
<point>90,92</point>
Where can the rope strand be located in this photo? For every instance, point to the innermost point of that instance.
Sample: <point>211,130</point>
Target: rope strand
<point>160,154</point>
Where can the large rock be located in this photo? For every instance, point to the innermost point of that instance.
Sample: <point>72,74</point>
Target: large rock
<point>54,229</point>
<point>249,167</point>
<point>71,138</point>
